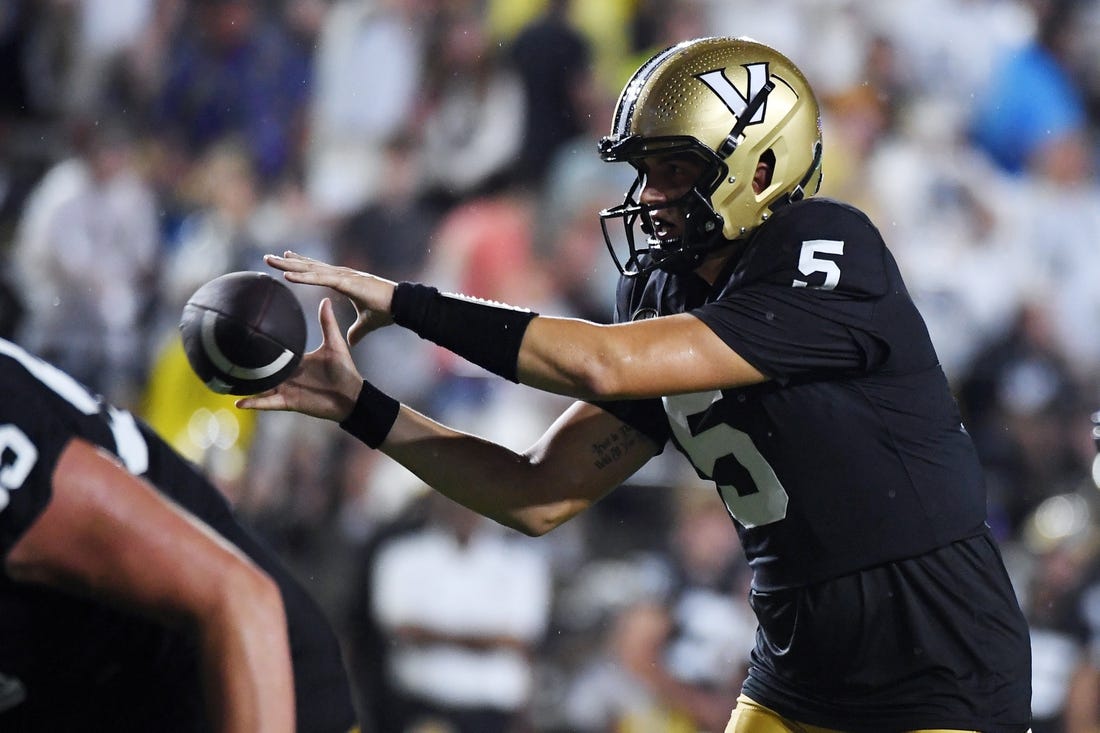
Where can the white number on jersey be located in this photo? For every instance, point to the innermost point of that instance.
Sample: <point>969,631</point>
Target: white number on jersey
<point>726,455</point>
<point>129,442</point>
<point>14,442</point>
<point>809,262</point>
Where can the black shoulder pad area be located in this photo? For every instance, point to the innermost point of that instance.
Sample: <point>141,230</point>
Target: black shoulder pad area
<point>818,243</point>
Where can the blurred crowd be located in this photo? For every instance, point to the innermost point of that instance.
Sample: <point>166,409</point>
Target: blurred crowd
<point>147,146</point>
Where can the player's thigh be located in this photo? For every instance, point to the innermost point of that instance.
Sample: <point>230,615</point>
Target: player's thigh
<point>750,716</point>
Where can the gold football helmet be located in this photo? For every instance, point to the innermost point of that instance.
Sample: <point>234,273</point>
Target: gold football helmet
<point>732,101</point>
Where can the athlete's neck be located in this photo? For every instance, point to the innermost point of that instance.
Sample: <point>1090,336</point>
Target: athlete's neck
<point>715,264</point>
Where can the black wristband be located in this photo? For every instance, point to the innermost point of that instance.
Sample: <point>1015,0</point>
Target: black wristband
<point>373,415</point>
<point>485,333</point>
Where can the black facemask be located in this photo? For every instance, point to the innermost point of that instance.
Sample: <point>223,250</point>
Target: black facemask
<point>702,233</point>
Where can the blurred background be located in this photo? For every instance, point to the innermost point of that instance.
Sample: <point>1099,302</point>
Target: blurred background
<point>147,146</point>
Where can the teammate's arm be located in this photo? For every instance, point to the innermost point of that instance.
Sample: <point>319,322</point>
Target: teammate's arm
<point>107,535</point>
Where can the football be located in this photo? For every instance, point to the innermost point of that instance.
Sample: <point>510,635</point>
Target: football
<point>243,333</point>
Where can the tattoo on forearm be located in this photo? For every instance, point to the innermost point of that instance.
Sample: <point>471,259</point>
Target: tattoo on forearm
<point>614,446</point>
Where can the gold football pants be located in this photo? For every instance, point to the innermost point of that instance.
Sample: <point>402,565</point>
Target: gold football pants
<point>751,717</point>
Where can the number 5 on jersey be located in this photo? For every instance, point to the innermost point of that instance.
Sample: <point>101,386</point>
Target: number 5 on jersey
<point>810,262</point>
<point>726,455</point>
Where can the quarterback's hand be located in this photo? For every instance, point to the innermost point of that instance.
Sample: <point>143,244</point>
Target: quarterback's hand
<point>326,383</point>
<point>370,295</point>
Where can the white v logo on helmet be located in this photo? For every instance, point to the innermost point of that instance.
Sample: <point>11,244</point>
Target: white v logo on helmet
<point>731,96</point>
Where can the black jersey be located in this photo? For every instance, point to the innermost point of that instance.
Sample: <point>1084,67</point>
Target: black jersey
<point>855,489</point>
<point>857,412</point>
<point>86,666</point>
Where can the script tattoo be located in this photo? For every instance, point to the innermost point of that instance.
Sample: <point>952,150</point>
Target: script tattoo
<point>614,446</point>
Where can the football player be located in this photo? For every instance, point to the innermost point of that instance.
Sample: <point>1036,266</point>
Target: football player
<point>768,335</point>
<point>131,599</point>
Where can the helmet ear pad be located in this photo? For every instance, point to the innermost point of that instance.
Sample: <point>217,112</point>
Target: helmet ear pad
<point>753,196</point>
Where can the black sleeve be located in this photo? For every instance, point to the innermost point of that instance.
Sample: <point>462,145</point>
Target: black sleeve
<point>817,292</point>
<point>789,332</point>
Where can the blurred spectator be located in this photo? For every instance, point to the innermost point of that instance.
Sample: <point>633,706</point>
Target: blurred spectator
<point>105,33</point>
<point>392,232</point>
<point>677,652</point>
<point>17,27</point>
<point>655,25</point>
<point>37,39</point>
<point>953,64</point>
<point>1083,56</point>
<point>714,630</point>
<point>463,605</point>
<point>570,248</point>
<point>218,235</point>
<point>290,492</point>
<point>609,692</point>
<point>367,646</point>
<point>474,119</point>
<point>568,233</point>
<point>950,214</point>
<point>604,24</point>
<point>1056,225</point>
<point>33,56</point>
<point>1021,402</point>
<point>1032,115</point>
<point>87,254</point>
<point>554,61</point>
<point>858,118</point>
<point>232,71</point>
<point>1058,601</point>
<point>355,109</point>
<point>482,247</point>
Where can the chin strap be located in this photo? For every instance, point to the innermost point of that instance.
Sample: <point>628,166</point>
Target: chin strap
<point>800,190</point>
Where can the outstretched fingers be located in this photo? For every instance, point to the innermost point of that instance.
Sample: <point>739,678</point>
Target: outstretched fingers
<point>366,291</point>
<point>309,271</point>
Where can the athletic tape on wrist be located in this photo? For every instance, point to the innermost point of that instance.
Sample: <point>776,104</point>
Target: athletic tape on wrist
<point>373,415</point>
<point>485,333</point>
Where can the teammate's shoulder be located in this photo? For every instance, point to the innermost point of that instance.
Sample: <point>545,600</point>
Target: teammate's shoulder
<point>14,374</point>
